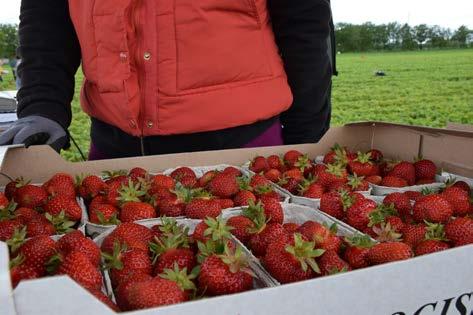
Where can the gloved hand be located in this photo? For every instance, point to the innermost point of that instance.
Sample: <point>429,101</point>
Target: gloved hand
<point>33,130</point>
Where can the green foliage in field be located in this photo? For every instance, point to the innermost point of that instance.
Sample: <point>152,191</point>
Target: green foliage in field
<point>423,88</point>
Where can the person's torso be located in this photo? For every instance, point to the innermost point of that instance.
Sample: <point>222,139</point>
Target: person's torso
<point>181,66</point>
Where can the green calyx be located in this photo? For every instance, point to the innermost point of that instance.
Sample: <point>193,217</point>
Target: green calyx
<point>303,162</point>
<point>131,192</point>
<point>112,174</point>
<point>53,264</point>
<point>335,271</point>
<point>210,248</point>
<point>255,212</point>
<point>166,242</point>
<point>114,261</point>
<point>435,231</point>
<point>305,253</point>
<point>8,212</point>
<point>235,259</point>
<point>386,233</point>
<point>355,181</point>
<point>381,213</point>
<point>244,183</point>
<point>360,240</point>
<point>183,194</point>
<point>60,222</point>
<point>181,277</point>
<point>335,169</point>
<point>347,199</point>
<point>217,229</point>
<point>18,260</point>
<point>363,157</point>
<point>113,220</point>
<point>18,238</point>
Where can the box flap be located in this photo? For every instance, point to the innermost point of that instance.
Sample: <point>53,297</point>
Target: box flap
<point>7,305</point>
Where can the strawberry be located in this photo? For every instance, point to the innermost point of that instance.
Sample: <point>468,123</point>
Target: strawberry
<point>404,170</point>
<point>225,203</point>
<point>358,214</point>
<point>60,203</point>
<point>337,154</point>
<point>259,241</point>
<point>90,187</point>
<point>3,201</point>
<point>375,155</point>
<point>26,214</point>
<point>122,290</point>
<point>11,187</point>
<point>133,235</point>
<point>294,173</point>
<point>153,293</point>
<point>202,208</point>
<point>137,173</point>
<point>358,183</point>
<point>272,210</point>
<point>223,186</point>
<point>400,202</point>
<point>225,274</point>
<point>291,260</point>
<point>20,271</point>
<point>103,214</point>
<point>388,252</point>
<point>324,237</point>
<point>134,211</point>
<point>314,191</point>
<point>460,231</point>
<point>163,181</point>
<point>206,178</point>
<point>211,228</point>
<point>273,175</point>
<point>463,185</point>
<point>290,228</point>
<point>30,196</point>
<point>459,199</point>
<point>36,252</point>
<point>305,165</point>
<point>291,157</point>
<point>258,180</point>
<point>77,265</point>
<point>361,166</point>
<point>433,208</point>
<point>171,207</point>
<point>243,197</point>
<point>429,246</point>
<point>113,177</point>
<point>233,171</point>
<point>60,184</point>
<point>182,172</point>
<point>425,169</point>
<point>374,179</point>
<point>8,227</point>
<point>124,260</point>
<point>40,226</point>
<point>290,184</point>
<point>183,257</point>
<point>333,173</point>
<point>357,251</point>
<point>241,227</point>
<point>413,234</point>
<point>99,295</point>
<point>188,181</point>
<point>413,195</point>
<point>259,164</point>
<point>333,204</point>
<point>392,181</point>
<point>330,263</point>
<point>76,241</point>
<point>275,162</point>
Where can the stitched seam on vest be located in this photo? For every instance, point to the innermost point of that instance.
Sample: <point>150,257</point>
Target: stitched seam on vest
<point>255,12</point>
<point>225,85</point>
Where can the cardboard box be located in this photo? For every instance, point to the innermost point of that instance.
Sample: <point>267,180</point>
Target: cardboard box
<point>440,283</point>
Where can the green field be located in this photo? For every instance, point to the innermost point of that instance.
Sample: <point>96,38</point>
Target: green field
<point>424,88</point>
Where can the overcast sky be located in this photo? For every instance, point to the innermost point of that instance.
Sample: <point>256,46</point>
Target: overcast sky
<point>452,13</point>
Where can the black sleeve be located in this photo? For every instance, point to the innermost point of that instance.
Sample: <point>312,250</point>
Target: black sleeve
<point>50,54</point>
<point>302,30</point>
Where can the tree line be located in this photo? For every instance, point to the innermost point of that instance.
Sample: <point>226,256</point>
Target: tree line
<point>349,37</point>
<point>396,36</point>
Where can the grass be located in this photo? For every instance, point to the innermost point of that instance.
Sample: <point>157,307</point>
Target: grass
<point>427,88</point>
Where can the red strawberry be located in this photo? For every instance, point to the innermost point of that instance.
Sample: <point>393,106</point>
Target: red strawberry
<point>182,172</point>
<point>122,290</point>
<point>171,207</point>
<point>361,166</point>
<point>8,227</point>
<point>459,199</point>
<point>388,252</point>
<point>330,263</point>
<point>163,181</point>
<point>206,178</point>
<point>429,246</point>
<point>30,196</point>
<point>413,234</point>
<point>358,183</point>
<point>358,214</point>
<point>375,155</point>
<point>233,171</point>
<point>40,226</point>
<point>223,186</point>
<point>26,214</point>
<point>3,201</point>
<point>183,257</point>
<point>21,271</point>
<point>291,157</point>
<point>413,195</point>
<point>332,204</point>
<point>460,231</point>
<point>78,266</point>
<point>60,184</point>
<point>202,208</point>
<point>258,180</point>
<point>273,175</point>
<point>357,251</point>
<point>272,210</point>
<point>259,242</point>
<point>243,197</point>
<point>225,203</point>
<point>374,179</point>
<point>188,181</point>
<point>404,170</point>
<point>36,252</point>
<point>392,181</point>
<point>275,162</point>
<point>61,203</point>
<point>76,241</point>
<point>133,235</point>
<point>433,208</point>
<point>153,293</point>
<point>290,228</point>
<point>136,173</point>
<point>225,274</point>
<point>241,227</point>
<point>324,237</point>
<point>400,201</point>
<point>211,228</point>
<point>294,173</point>
<point>291,260</point>
<point>333,173</point>
<point>134,211</point>
<point>337,154</point>
<point>259,164</point>
<point>463,185</point>
<point>103,214</point>
<point>91,186</point>
<point>314,191</point>
<point>11,187</point>
<point>425,169</point>
<point>290,184</point>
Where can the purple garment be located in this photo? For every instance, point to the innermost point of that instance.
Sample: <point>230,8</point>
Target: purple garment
<point>271,137</point>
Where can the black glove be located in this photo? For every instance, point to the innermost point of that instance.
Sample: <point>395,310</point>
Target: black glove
<point>34,130</point>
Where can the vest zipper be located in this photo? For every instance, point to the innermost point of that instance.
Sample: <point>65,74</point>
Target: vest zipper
<point>140,73</point>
